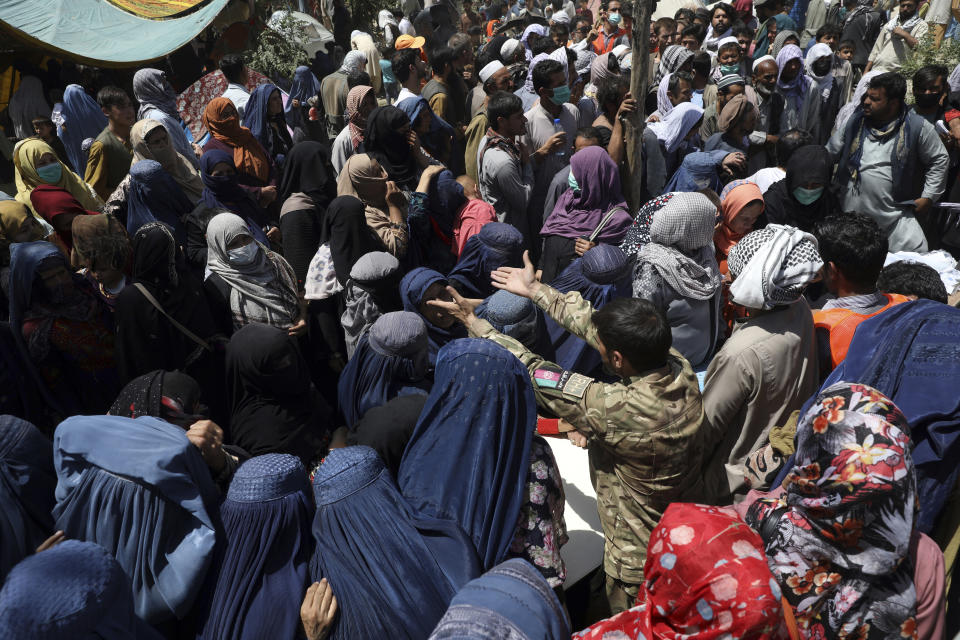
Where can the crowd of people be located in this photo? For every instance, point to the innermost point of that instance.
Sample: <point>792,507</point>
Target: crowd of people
<point>283,361</point>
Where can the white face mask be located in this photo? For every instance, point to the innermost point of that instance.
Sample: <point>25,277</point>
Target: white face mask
<point>244,255</point>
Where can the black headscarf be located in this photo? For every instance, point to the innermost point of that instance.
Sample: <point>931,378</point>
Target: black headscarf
<point>274,406</point>
<point>146,339</point>
<point>345,229</point>
<point>170,395</point>
<point>385,144</point>
<point>308,170</point>
<point>809,164</point>
<point>306,188</point>
<point>388,428</point>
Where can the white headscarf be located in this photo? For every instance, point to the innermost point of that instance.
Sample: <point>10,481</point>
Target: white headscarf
<point>26,104</point>
<point>263,291</point>
<point>664,106</point>
<point>817,51</point>
<point>675,126</point>
<point>847,110</point>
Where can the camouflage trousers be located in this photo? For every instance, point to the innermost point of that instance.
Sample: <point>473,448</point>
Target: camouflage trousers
<point>620,595</point>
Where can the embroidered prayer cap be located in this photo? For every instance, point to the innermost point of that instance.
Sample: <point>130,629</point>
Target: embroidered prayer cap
<point>504,309</point>
<point>499,235</point>
<point>73,590</point>
<point>399,333</point>
<point>509,48</point>
<point>268,477</point>
<point>604,264</point>
<point>374,266</point>
<point>490,69</point>
<point>344,472</point>
<point>729,80</point>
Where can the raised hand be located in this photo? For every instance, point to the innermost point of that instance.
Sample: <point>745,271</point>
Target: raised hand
<point>516,280</point>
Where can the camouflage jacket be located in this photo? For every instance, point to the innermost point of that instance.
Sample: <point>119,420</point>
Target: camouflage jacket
<point>646,441</point>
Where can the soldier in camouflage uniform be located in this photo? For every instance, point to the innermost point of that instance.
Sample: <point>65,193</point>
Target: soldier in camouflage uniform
<point>645,433</point>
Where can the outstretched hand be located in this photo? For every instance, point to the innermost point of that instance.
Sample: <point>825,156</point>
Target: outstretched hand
<point>519,281</point>
<point>461,308</point>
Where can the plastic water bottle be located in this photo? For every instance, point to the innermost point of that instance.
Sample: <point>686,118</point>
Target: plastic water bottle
<point>558,128</point>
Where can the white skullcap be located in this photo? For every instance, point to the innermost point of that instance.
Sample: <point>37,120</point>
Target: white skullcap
<point>561,17</point>
<point>728,40</point>
<point>509,48</point>
<point>620,50</point>
<point>490,69</point>
<point>759,61</point>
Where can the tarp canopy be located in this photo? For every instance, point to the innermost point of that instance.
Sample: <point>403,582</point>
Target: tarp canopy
<point>108,33</point>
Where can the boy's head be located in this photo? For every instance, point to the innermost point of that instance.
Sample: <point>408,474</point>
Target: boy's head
<point>231,65</point>
<point>853,248</point>
<point>117,106</point>
<point>470,189</point>
<point>729,54</point>
<point>44,128</point>
<point>829,34</point>
<point>846,49</point>
<point>913,280</point>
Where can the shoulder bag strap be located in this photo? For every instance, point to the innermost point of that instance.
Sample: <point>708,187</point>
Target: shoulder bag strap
<point>190,334</point>
<point>604,222</point>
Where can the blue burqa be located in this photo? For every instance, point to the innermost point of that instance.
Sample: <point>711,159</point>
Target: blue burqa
<point>261,568</point>
<point>154,196</point>
<point>373,377</point>
<point>601,275</point>
<point>82,118</point>
<point>511,600</point>
<point>393,570</point>
<point>413,289</point>
<point>27,483</point>
<point>496,245</point>
<point>468,458</point>
<point>140,489</point>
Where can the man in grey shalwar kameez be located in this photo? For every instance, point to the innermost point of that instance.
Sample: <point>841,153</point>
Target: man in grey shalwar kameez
<point>891,163</point>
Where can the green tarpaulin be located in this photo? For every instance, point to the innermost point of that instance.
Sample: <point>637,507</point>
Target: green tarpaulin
<point>98,32</point>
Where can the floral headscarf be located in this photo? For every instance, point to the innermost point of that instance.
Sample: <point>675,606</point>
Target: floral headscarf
<point>357,123</point>
<point>838,541</point>
<point>705,578</point>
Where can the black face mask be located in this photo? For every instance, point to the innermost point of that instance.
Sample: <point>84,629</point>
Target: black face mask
<point>927,100</point>
<point>822,66</point>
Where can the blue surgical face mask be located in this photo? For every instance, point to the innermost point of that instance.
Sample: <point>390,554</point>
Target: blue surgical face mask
<point>727,69</point>
<point>572,182</point>
<point>50,173</point>
<point>561,94</point>
<point>614,18</point>
<point>807,196</point>
<point>244,255</point>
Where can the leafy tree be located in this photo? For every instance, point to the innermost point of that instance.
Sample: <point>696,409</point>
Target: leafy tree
<point>279,50</point>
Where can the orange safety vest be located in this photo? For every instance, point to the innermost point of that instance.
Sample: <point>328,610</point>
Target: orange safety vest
<point>842,323</point>
<point>604,43</point>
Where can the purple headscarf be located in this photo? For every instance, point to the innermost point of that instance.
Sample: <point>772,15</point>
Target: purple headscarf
<point>579,213</point>
<point>538,29</point>
<point>797,85</point>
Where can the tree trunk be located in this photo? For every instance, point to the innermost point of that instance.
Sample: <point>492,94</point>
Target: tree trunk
<point>639,71</point>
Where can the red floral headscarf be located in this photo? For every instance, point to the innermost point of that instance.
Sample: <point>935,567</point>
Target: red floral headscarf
<point>705,577</point>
